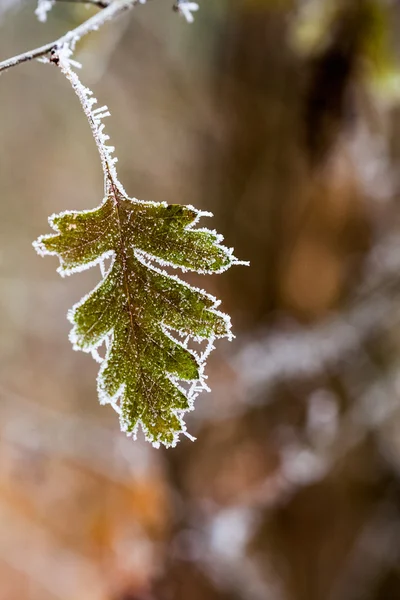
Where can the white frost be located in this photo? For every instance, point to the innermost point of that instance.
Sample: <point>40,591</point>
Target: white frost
<point>44,7</point>
<point>186,8</point>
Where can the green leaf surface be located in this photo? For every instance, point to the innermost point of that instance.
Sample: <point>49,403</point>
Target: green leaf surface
<point>143,316</point>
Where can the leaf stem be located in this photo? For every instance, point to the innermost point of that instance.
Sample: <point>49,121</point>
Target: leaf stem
<point>94,117</point>
<point>111,11</point>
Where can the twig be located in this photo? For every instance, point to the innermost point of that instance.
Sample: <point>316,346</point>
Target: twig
<point>98,3</point>
<point>112,11</point>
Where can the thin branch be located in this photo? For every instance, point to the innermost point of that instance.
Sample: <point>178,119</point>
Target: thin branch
<point>98,3</point>
<point>112,11</point>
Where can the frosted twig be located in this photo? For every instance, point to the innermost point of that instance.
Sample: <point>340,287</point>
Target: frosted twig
<point>98,3</point>
<point>112,11</point>
<point>45,6</point>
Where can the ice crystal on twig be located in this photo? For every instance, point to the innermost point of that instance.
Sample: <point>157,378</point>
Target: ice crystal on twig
<point>43,7</point>
<point>186,9</point>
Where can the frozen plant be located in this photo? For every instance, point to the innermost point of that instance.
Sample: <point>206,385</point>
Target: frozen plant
<point>146,319</point>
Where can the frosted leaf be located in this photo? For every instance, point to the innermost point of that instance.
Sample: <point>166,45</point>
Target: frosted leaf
<point>144,316</point>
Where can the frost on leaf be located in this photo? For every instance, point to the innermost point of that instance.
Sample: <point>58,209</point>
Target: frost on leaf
<point>144,316</point>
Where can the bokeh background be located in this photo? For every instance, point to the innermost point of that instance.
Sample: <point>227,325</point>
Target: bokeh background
<point>283,118</point>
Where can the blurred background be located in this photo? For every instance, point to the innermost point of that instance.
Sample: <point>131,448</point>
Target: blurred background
<point>282,117</point>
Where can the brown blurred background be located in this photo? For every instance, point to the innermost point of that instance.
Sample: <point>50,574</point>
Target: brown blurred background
<point>283,118</point>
